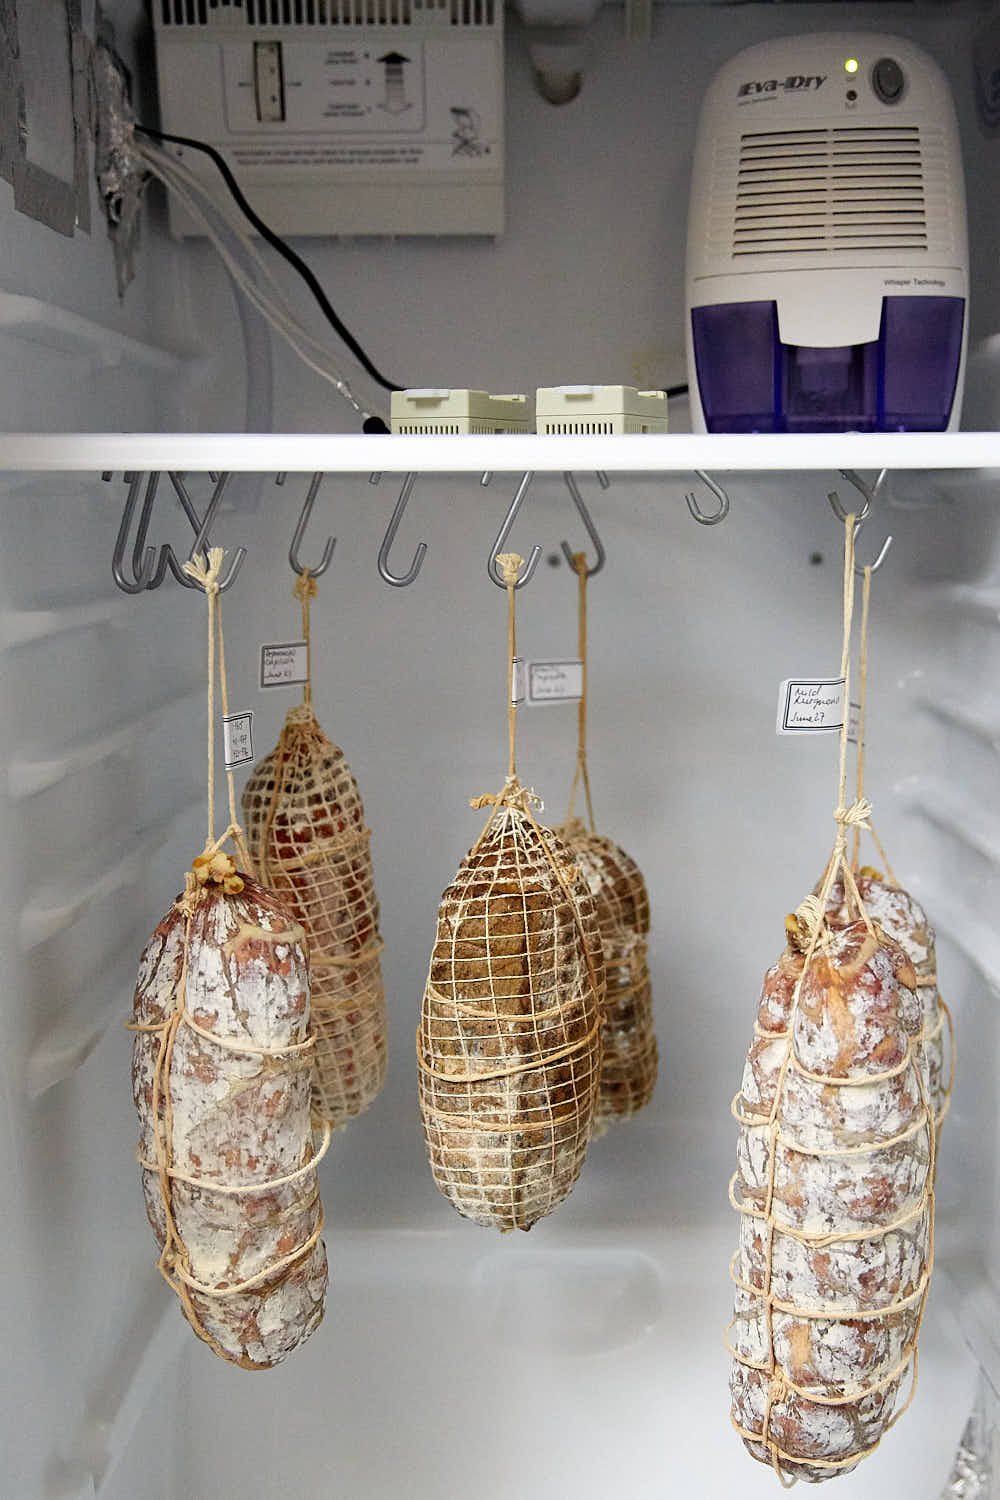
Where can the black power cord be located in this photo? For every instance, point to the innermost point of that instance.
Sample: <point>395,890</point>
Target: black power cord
<point>283,249</point>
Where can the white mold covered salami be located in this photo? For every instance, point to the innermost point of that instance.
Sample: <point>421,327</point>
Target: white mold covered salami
<point>835,1190</point>
<point>221,1082</point>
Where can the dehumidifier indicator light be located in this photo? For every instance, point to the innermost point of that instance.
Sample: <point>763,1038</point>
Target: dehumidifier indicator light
<point>851,65</point>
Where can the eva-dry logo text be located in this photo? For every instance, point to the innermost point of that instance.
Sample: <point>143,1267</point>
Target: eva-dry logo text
<point>794,83</point>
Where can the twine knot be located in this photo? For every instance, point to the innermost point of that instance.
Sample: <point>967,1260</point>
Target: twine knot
<point>213,867</point>
<point>305,586</point>
<point>205,569</point>
<point>510,565</point>
<point>511,794</point>
<point>578,561</point>
<point>855,816</point>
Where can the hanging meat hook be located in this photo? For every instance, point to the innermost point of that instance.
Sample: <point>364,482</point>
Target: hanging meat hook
<point>148,570</point>
<point>400,580</point>
<point>591,529</point>
<point>703,517</point>
<point>143,562</point>
<point>869,495</point>
<point>299,532</point>
<point>500,544</point>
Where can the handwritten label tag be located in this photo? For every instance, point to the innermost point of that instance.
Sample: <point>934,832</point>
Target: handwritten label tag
<point>283,664</point>
<point>517,681</point>
<point>810,705</point>
<point>555,681</point>
<point>237,732</point>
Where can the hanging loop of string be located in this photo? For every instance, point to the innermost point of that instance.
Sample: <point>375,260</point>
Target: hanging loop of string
<point>205,570</point>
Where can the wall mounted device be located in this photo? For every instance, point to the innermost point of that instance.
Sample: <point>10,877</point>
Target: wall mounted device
<point>358,117</point>
<point>827,259</point>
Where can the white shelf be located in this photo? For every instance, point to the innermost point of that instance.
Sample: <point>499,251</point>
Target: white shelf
<point>334,453</point>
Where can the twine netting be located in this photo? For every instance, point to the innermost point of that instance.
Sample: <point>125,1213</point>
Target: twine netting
<point>835,1180</point>
<point>221,1083</point>
<point>306,828</point>
<point>509,1043</point>
<point>509,1048</point>
<point>629,1050</point>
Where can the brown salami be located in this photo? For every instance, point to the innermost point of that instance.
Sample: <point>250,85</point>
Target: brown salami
<point>509,1040</point>
<point>306,828</point>
<point>835,1190</point>
<point>221,1083</point>
<point>629,1052</point>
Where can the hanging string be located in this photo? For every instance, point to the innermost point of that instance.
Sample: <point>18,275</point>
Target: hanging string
<point>205,569</point>
<point>862,712</point>
<point>509,563</point>
<point>305,589</point>
<point>581,773</point>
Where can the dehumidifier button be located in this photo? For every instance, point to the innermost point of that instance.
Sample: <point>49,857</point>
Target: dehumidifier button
<point>888,80</point>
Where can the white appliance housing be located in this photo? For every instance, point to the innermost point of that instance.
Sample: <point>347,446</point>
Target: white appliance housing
<point>342,116</point>
<point>827,257</point>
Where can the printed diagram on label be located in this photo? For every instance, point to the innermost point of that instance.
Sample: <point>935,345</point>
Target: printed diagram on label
<point>466,132</point>
<point>395,101</point>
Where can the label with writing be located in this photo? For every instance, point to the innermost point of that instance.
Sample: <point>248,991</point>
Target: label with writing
<point>517,681</point>
<point>283,664</point>
<point>555,681</point>
<point>237,732</point>
<point>810,705</point>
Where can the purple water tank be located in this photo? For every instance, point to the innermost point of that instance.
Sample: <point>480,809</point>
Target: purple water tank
<point>903,381</point>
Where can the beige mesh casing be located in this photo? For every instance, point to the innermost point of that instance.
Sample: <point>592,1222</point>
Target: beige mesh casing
<point>630,1055</point>
<point>305,826</point>
<point>509,1041</point>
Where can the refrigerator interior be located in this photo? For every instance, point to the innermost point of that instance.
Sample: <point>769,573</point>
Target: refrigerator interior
<point>588,1355</point>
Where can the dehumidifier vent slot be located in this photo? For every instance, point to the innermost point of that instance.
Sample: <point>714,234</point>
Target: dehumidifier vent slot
<point>815,191</point>
<point>329,12</point>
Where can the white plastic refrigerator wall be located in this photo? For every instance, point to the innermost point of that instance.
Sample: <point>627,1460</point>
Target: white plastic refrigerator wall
<point>587,1358</point>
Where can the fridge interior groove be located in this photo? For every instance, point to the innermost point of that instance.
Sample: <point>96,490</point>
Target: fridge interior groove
<point>452,1361</point>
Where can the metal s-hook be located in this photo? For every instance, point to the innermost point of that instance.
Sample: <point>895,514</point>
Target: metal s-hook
<point>869,494</point>
<point>862,515</point>
<point>299,532</point>
<point>400,580</point>
<point>502,535</point>
<point>874,566</point>
<point>201,541</point>
<point>702,517</point>
<point>589,526</point>
<point>144,566</point>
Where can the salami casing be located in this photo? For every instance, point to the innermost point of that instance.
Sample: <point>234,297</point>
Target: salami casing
<point>221,1082</point>
<point>835,1190</point>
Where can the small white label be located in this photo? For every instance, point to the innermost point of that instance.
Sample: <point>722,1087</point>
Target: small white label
<point>284,664</point>
<point>237,730</point>
<point>555,681</point>
<point>810,705</point>
<point>517,681</point>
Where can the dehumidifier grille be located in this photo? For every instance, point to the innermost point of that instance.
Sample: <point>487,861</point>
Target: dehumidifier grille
<point>841,188</point>
<point>328,12</point>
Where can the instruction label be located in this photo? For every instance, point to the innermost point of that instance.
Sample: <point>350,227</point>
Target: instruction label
<point>555,681</point>
<point>237,732</point>
<point>517,680</point>
<point>814,705</point>
<point>283,664</point>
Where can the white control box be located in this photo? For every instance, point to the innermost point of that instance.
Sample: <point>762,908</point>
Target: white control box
<point>366,118</point>
<point>447,411</point>
<point>600,409</point>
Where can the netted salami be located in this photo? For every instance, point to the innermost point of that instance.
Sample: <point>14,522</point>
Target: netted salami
<point>629,1051</point>
<point>221,1083</point>
<point>306,829</point>
<point>835,1190</point>
<point>509,1041</point>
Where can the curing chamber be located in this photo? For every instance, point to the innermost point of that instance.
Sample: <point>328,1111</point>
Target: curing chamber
<point>454,1360</point>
